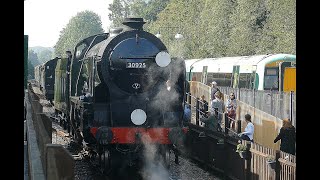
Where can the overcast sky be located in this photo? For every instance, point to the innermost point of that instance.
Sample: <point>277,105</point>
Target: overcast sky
<point>44,19</point>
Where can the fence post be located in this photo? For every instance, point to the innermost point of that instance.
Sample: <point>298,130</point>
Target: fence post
<point>254,99</point>
<point>238,126</point>
<point>226,124</point>
<point>291,106</point>
<point>271,104</point>
<point>247,163</point>
<point>197,112</point>
<point>277,170</point>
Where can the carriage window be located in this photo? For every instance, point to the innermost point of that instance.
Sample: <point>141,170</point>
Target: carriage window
<point>271,82</point>
<point>244,80</point>
<point>227,79</point>
<point>271,72</point>
<point>271,79</point>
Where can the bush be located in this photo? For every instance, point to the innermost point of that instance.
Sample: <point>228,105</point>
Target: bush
<point>241,148</point>
<point>271,158</point>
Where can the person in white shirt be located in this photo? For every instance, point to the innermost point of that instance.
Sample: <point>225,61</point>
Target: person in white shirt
<point>248,131</point>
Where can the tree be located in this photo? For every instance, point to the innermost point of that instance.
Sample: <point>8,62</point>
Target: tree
<point>45,55</point>
<point>119,9</point>
<point>246,26</point>
<point>279,34</point>
<point>32,62</point>
<point>83,25</point>
<point>184,17</point>
<point>30,70</point>
<point>148,9</point>
<point>214,27</point>
<point>33,58</point>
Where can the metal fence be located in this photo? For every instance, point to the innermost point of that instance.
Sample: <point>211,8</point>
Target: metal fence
<point>279,104</point>
<point>219,153</point>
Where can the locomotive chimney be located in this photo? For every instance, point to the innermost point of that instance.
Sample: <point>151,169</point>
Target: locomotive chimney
<point>133,23</point>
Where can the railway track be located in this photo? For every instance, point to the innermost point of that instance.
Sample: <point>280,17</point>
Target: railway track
<point>86,170</point>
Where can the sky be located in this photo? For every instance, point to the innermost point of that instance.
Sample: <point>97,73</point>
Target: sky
<point>44,19</point>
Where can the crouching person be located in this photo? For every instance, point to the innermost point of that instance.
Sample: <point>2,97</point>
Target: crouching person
<point>210,121</point>
<point>249,130</point>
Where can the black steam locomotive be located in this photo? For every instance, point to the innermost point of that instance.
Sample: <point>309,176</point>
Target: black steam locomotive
<point>45,78</point>
<point>121,91</point>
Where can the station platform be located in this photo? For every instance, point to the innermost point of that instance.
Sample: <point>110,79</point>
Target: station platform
<point>32,169</point>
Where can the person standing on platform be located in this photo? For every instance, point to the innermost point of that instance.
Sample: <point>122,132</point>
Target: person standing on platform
<point>214,89</point>
<point>203,106</point>
<point>249,130</point>
<point>231,108</point>
<point>217,106</point>
<point>288,137</point>
<point>187,113</point>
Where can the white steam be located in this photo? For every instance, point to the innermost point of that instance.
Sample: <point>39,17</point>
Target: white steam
<point>153,167</point>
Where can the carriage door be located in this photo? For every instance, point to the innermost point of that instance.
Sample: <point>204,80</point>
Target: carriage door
<point>253,84</point>
<point>204,74</point>
<point>288,76</point>
<point>235,76</point>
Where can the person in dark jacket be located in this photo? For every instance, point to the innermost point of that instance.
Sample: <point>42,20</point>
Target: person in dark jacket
<point>187,113</point>
<point>210,120</point>
<point>203,106</point>
<point>288,137</point>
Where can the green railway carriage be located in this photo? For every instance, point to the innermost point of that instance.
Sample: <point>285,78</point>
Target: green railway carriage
<point>261,72</point>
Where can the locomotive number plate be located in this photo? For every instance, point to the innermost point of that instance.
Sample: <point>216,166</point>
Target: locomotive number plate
<point>135,65</point>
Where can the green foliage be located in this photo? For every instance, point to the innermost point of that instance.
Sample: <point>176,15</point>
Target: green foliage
<point>119,9</point>
<point>215,31</point>
<point>83,25</point>
<point>33,58</point>
<point>246,24</point>
<point>271,158</point>
<point>241,148</point>
<point>30,71</point>
<point>148,9</point>
<point>179,16</point>
<point>279,33</point>
<point>45,55</point>
<point>216,28</point>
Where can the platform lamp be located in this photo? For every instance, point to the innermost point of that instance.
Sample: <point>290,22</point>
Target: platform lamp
<point>178,36</point>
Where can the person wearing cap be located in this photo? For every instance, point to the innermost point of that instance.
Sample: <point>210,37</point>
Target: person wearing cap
<point>249,130</point>
<point>214,89</point>
<point>210,120</point>
<point>187,113</point>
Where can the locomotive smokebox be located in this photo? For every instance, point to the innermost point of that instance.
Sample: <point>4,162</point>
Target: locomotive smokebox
<point>133,23</point>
